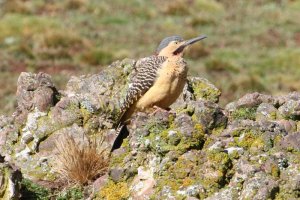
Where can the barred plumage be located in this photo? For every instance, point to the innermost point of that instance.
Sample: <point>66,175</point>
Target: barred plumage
<point>144,77</point>
<point>155,81</point>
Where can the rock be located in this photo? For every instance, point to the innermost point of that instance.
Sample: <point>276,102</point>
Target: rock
<point>99,183</point>
<point>143,184</point>
<point>259,187</point>
<point>252,100</point>
<point>35,90</point>
<point>116,174</point>
<point>266,111</point>
<point>9,182</point>
<point>203,89</point>
<point>196,89</point>
<point>290,109</point>
<point>288,125</point>
<point>224,194</point>
<point>198,150</point>
<point>209,114</point>
<point>291,142</point>
<point>28,138</point>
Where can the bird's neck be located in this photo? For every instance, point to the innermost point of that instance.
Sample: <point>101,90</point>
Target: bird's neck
<point>174,57</point>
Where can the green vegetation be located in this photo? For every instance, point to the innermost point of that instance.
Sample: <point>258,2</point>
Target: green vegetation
<point>244,113</point>
<point>73,193</point>
<point>251,45</point>
<point>30,190</point>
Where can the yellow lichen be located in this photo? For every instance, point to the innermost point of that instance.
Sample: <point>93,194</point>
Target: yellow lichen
<point>115,191</point>
<point>187,181</point>
<point>247,139</point>
<point>275,171</point>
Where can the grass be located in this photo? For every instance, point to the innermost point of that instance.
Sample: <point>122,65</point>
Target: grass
<point>251,45</point>
<point>79,162</point>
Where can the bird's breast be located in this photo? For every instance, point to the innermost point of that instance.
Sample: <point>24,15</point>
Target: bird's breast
<point>171,78</point>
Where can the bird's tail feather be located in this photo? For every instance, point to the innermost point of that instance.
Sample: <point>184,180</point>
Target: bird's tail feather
<point>122,133</point>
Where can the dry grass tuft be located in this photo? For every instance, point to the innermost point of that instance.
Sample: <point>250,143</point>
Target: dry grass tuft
<point>80,162</point>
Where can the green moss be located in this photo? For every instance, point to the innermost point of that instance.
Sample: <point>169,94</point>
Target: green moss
<point>188,110</point>
<point>247,139</point>
<point>218,130</point>
<point>234,155</point>
<point>30,190</point>
<point>86,115</point>
<point>48,126</point>
<point>115,191</point>
<point>162,143</point>
<point>176,175</point>
<point>208,142</point>
<point>181,168</point>
<point>218,166</point>
<point>73,193</point>
<point>173,183</point>
<point>205,91</point>
<point>222,159</point>
<point>244,113</point>
<point>236,132</point>
<point>213,182</point>
<point>39,172</point>
<point>258,144</point>
<point>119,159</point>
<point>171,119</point>
<point>283,195</point>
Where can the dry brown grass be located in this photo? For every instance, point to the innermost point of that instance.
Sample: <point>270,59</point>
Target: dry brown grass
<point>80,162</point>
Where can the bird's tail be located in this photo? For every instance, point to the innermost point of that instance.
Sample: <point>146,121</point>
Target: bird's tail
<point>122,133</point>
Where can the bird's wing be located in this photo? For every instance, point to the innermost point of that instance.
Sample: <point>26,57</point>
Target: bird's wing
<point>143,78</point>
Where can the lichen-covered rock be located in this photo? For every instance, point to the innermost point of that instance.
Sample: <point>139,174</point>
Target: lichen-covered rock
<point>252,100</point>
<point>9,182</point>
<point>291,142</point>
<point>203,89</point>
<point>290,109</point>
<point>260,187</point>
<point>88,106</point>
<point>198,150</point>
<point>266,111</point>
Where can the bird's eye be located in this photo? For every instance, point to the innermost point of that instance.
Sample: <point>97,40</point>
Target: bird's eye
<point>176,42</point>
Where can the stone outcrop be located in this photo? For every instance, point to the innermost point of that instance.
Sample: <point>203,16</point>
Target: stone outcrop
<point>248,150</point>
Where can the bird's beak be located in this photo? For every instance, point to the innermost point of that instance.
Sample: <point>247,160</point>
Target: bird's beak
<point>187,43</point>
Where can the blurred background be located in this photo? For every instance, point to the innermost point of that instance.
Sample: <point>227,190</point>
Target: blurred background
<point>251,45</point>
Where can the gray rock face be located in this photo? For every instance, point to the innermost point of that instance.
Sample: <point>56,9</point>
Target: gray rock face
<point>249,150</point>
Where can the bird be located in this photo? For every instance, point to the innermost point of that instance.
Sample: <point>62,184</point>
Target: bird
<point>157,81</point>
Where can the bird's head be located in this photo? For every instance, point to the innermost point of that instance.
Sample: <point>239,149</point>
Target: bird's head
<point>175,45</point>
